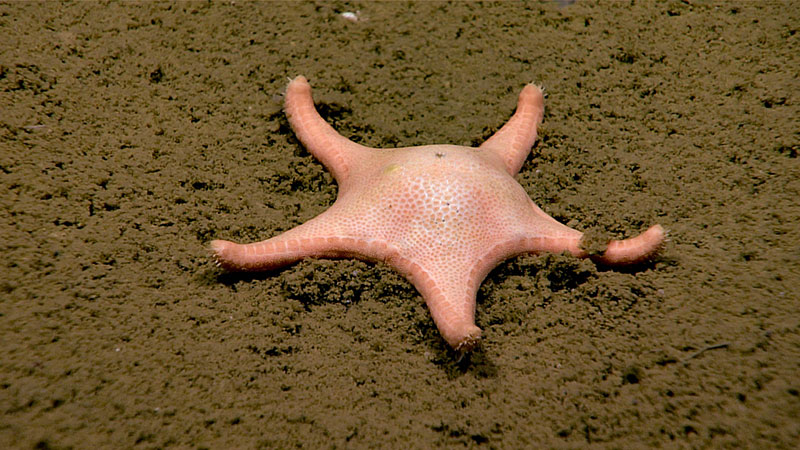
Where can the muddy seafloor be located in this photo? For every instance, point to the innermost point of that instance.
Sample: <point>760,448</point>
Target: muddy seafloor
<point>133,134</point>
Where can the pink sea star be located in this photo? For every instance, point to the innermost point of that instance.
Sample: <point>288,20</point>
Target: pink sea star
<point>442,215</point>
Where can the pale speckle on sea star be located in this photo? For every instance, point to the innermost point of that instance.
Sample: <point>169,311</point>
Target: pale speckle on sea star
<point>442,215</point>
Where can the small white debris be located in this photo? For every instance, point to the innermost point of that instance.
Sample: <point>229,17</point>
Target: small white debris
<point>350,16</point>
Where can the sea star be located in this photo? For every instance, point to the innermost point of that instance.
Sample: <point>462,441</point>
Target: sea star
<point>442,215</point>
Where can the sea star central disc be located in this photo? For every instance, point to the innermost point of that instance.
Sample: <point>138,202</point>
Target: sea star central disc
<point>442,215</point>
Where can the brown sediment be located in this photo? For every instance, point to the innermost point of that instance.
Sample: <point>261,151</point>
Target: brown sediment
<point>133,134</point>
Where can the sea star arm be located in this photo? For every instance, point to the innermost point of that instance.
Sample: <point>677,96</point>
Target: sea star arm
<point>623,252</point>
<point>513,141</point>
<point>633,250</point>
<point>450,288</point>
<point>449,295</point>
<point>320,237</point>
<point>335,151</point>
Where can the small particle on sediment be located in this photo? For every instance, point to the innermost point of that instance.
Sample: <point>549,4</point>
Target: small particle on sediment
<point>350,16</point>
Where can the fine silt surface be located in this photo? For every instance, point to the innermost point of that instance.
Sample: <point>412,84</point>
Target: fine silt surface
<point>132,134</point>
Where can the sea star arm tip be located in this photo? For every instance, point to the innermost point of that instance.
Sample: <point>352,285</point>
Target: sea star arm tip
<point>461,335</point>
<point>513,141</point>
<point>470,340</point>
<point>271,254</point>
<point>635,250</point>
